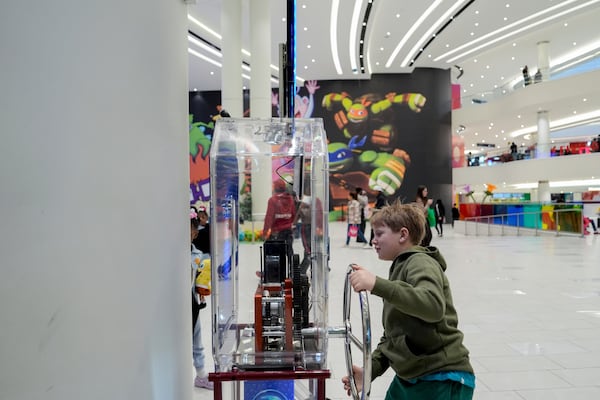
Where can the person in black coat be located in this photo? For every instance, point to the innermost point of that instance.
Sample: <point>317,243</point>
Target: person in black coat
<point>440,217</point>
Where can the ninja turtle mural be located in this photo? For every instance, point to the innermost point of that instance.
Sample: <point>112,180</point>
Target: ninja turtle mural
<point>392,131</point>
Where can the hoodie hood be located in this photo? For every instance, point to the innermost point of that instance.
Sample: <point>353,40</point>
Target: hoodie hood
<point>431,251</point>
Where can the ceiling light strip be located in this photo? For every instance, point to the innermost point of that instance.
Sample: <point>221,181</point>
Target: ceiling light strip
<point>511,26</point>
<point>333,40</point>
<point>429,32</point>
<point>201,44</point>
<point>353,35</point>
<point>525,28</point>
<point>204,27</point>
<point>363,35</point>
<point>561,123</point>
<point>205,58</point>
<point>412,30</point>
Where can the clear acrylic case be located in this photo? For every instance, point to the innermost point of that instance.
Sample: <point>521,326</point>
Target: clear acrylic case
<point>279,320</point>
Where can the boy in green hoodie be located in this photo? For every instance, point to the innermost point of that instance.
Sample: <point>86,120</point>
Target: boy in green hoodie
<point>421,341</point>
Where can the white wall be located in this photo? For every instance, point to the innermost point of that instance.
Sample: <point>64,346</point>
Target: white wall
<point>94,188</point>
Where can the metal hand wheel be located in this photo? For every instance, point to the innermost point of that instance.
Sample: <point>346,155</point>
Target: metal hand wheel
<point>364,346</point>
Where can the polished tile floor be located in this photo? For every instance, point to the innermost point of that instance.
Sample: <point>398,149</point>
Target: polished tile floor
<point>529,307</point>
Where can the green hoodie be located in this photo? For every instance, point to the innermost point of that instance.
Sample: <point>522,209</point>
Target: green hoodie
<point>421,336</point>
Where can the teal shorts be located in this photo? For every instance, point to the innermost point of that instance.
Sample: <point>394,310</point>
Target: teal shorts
<point>428,390</point>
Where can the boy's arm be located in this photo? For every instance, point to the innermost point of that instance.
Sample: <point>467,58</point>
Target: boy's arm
<point>421,295</point>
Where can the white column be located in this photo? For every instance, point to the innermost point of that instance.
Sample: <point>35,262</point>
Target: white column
<point>260,34</point>
<point>544,192</point>
<point>260,96</point>
<point>95,288</point>
<point>543,135</point>
<point>231,47</point>
<point>543,60</point>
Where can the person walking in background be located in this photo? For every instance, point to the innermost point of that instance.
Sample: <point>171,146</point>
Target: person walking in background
<point>380,202</point>
<point>354,220</point>
<point>425,204</point>
<point>440,217</point>
<point>455,214</point>
<point>421,340</point>
<point>363,200</point>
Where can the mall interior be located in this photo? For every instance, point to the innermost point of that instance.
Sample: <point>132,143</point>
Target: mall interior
<point>94,299</point>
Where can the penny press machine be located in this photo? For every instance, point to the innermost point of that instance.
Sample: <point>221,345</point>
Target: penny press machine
<point>270,326</point>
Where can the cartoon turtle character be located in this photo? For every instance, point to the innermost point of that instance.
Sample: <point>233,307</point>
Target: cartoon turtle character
<point>361,119</point>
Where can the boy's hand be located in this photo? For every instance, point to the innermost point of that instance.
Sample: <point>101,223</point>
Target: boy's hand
<point>358,378</point>
<point>361,279</point>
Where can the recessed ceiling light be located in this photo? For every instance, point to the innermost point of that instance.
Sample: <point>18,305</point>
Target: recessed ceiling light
<point>283,19</point>
<point>447,45</point>
<point>501,78</point>
<point>518,116</point>
<point>507,5</point>
<point>429,56</point>
<point>313,60</point>
<point>475,60</point>
<point>397,15</point>
<point>381,48</point>
<point>574,43</point>
<point>514,44</point>
<point>308,46</point>
<point>487,67</point>
<point>513,58</point>
<point>305,28</point>
<point>195,89</point>
<point>506,18</point>
<point>476,11</point>
<point>303,5</point>
<point>471,85</point>
<point>476,23</point>
<point>377,63</point>
<point>566,24</point>
<point>476,133</point>
<point>482,76</point>
<point>212,72</point>
<point>574,112</point>
<point>584,99</point>
<point>306,67</point>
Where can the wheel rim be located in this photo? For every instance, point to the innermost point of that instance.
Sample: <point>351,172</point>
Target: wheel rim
<point>364,346</point>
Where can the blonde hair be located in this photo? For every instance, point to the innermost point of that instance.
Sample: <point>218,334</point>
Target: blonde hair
<point>397,216</point>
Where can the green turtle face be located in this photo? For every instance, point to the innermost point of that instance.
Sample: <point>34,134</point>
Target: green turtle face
<point>340,156</point>
<point>357,113</point>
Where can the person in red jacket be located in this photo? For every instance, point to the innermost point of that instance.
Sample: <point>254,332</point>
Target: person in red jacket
<point>281,214</point>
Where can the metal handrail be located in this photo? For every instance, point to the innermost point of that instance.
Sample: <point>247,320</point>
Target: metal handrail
<point>537,228</point>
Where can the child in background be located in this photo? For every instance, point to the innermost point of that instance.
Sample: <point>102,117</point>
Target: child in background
<point>354,220</point>
<point>198,303</point>
<point>421,340</point>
